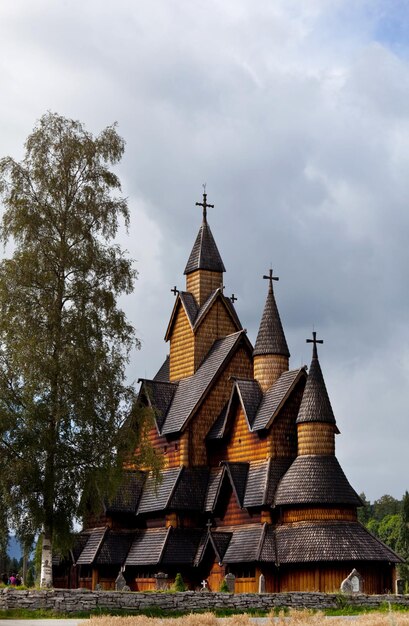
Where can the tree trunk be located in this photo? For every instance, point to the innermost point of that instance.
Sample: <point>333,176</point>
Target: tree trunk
<point>46,576</point>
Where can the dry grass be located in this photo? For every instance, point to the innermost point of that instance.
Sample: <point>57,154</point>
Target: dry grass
<point>293,618</point>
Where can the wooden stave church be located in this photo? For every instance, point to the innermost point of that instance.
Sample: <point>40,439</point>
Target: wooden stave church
<point>250,482</point>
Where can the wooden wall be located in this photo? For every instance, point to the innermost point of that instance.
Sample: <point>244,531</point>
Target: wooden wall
<point>269,367</point>
<point>318,514</point>
<point>316,438</point>
<point>283,433</point>
<point>182,356</point>
<point>241,366</point>
<point>244,445</point>
<point>202,283</point>
<point>217,324</point>
<point>232,514</point>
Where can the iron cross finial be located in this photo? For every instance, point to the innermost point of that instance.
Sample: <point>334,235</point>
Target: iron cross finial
<point>270,277</point>
<point>314,340</point>
<point>175,290</point>
<point>233,298</point>
<point>204,204</point>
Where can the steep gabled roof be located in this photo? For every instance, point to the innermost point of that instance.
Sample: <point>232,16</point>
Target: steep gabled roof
<point>115,548</point>
<point>315,405</point>
<point>217,540</point>
<point>147,547</point>
<point>213,488</point>
<point>182,546</point>
<point>275,397</point>
<point>196,315</point>
<point>191,391</point>
<point>162,375</point>
<point>159,396</point>
<point>314,479</point>
<point>250,395</point>
<point>245,544</point>
<point>302,542</point>
<point>191,489</point>
<point>271,338</point>
<point>92,546</point>
<point>262,480</point>
<point>204,254</point>
<point>157,494</point>
<point>128,495</point>
<point>237,472</point>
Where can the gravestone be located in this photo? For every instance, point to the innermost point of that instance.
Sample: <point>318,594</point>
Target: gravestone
<point>204,588</point>
<point>98,587</point>
<point>400,586</point>
<point>262,584</point>
<point>352,583</point>
<point>120,582</point>
<point>230,581</point>
<point>161,583</point>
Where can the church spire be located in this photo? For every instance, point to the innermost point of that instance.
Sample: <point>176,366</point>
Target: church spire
<point>315,405</point>
<point>204,255</point>
<point>316,424</point>
<point>271,352</point>
<point>204,269</point>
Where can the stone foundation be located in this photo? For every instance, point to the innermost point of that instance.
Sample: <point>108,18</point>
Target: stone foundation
<point>70,601</point>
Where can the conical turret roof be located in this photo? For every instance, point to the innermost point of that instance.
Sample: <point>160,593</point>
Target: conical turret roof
<point>271,338</point>
<point>204,255</point>
<point>315,405</point>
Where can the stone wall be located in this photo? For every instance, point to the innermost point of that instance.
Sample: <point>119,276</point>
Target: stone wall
<point>69,601</point>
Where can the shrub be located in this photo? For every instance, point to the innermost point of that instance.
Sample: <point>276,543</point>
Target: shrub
<point>178,585</point>
<point>224,588</point>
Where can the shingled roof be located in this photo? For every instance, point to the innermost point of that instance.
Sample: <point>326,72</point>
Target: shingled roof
<point>92,546</point>
<point>148,546</point>
<point>195,315</point>
<point>216,477</point>
<point>192,390</point>
<point>275,397</point>
<point>157,494</point>
<point>315,479</point>
<point>315,405</point>
<point>115,547</point>
<point>162,375</point>
<point>191,490</point>
<point>271,338</point>
<point>262,480</point>
<point>204,254</point>
<point>237,473</point>
<point>303,542</point>
<point>159,395</point>
<point>127,497</point>
<point>182,546</point>
<point>245,544</point>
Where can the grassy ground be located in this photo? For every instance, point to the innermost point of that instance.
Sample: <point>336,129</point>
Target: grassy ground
<point>294,618</point>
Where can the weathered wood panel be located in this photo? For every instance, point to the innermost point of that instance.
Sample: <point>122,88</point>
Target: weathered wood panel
<point>182,356</point>
<point>202,283</point>
<point>240,365</point>
<point>170,451</point>
<point>217,323</point>
<point>319,513</point>
<point>215,577</point>
<point>316,438</point>
<point>233,515</point>
<point>245,585</point>
<point>244,445</point>
<point>269,367</point>
<point>283,433</point>
<point>144,584</point>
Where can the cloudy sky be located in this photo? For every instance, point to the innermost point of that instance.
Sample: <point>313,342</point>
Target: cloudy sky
<point>296,115</point>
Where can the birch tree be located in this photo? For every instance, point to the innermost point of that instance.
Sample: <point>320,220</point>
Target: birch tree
<point>64,342</point>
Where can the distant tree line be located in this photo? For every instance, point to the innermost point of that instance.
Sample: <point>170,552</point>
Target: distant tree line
<point>388,519</point>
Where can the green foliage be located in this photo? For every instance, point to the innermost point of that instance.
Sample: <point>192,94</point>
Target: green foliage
<point>179,585</point>
<point>224,588</point>
<point>30,579</point>
<point>64,343</point>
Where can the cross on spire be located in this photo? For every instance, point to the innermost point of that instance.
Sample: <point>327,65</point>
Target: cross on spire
<point>204,203</point>
<point>270,277</point>
<point>175,291</point>
<point>314,340</point>
<point>233,298</point>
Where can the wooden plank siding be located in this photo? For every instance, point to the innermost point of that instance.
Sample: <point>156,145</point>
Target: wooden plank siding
<point>202,283</point>
<point>316,438</point>
<point>244,445</point>
<point>240,365</point>
<point>283,433</point>
<point>269,367</point>
<point>327,577</point>
<point>216,324</point>
<point>233,515</point>
<point>318,514</point>
<point>182,352</point>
